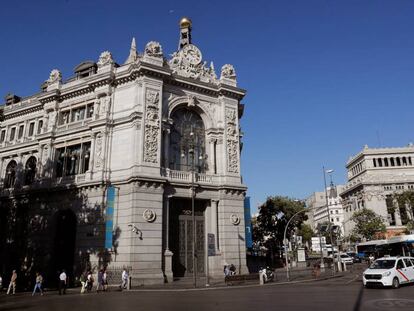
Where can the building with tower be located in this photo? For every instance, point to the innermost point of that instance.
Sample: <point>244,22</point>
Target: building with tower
<point>131,165</point>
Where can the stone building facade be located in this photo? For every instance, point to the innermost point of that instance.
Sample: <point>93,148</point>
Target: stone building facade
<point>374,175</point>
<point>317,203</point>
<point>162,134</point>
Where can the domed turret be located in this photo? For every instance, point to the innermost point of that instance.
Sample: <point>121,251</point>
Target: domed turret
<point>185,32</point>
<point>185,22</point>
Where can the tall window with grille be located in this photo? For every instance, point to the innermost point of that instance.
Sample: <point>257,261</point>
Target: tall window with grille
<point>187,141</point>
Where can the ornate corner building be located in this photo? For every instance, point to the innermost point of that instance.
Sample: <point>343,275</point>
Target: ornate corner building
<point>126,166</point>
<point>374,176</point>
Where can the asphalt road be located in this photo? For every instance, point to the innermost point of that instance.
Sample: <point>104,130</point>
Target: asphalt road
<point>345,293</point>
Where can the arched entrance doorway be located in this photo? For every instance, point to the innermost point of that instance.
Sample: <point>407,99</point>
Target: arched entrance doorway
<point>64,243</point>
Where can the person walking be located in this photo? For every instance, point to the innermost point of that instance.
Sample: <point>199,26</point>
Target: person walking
<point>12,283</point>
<point>124,279</point>
<point>105,280</point>
<point>89,281</point>
<point>62,282</point>
<point>83,282</point>
<point>38,285</point>
<point>99,284</point>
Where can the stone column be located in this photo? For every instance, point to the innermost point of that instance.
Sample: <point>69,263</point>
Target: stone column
<point>167,253</point>
<point>215,224</point>
<point>166,147</point>
<point>397,217</point>
<point>1,169</point>
<point>92,155</point>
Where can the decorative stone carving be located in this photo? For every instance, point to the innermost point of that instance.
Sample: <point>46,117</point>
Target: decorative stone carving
<point>235,220</point>
<point>98,151</point>
<point>149,215</point>
<point>187,63</point>
<point>192,100</point>
<point>51,120</point>
<point>105,106</point>
<point>152,126</point>
<point>45,155</point>
<point>54,77</point>
<point>228,72</point>
<point>232,141</point>
<point>105,59</point>
<point>153,49</point>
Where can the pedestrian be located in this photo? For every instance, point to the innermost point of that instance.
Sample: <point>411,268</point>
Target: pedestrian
<point>99,284</point>
<point>83,282</point>
<point>12,283</point>
<point>38,285</point>
<point>89,281</point>
<point>105,280</point>
<point>63,279</point>
<point>124,279</point>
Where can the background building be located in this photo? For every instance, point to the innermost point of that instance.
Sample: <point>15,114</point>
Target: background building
<point>115,165</point>
<point>317,203</point>
<point>374,175</point>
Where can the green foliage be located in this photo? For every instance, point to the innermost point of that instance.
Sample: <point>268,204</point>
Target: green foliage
<point>272,219</point>
<point>367,224</point>
<point>306,232</point>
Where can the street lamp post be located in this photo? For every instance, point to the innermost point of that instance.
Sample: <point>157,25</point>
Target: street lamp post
<point>329,217</point>
<point>287,244</point>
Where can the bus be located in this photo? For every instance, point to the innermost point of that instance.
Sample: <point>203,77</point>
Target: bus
<point>402,245</point>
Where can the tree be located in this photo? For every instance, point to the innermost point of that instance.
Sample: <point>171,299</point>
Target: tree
<point>306,232</point>
<point>272,219</point>
<point>367,224</point>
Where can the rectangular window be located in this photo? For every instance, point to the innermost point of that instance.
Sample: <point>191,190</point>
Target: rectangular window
<point>21,129</point>
<point>39,127</point>
<point>2,136</point>
<point>31,129</point>
<point>73,160</point>
<point>12,133</point>
<point>63,117</point>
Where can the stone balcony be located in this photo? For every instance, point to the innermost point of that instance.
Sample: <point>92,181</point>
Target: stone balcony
<point>186,176</point>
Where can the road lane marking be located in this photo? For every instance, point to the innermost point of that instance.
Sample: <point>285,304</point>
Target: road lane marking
<point>349,282</point>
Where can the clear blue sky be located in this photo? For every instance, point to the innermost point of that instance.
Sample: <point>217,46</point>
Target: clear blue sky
<point>323,77</point>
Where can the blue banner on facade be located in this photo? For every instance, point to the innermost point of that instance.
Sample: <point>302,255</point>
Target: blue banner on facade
<point>248,223</point>
<point>109,217</point>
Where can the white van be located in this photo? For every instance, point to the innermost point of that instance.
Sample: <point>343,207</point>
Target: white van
<point>390,271</point>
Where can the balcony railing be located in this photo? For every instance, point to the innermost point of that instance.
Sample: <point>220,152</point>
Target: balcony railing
<point>186,176</point>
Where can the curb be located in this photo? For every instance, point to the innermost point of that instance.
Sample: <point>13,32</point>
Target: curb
<point>231,287</point>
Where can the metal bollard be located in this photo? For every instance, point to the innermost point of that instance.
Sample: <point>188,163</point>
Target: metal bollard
<point>129,283</point>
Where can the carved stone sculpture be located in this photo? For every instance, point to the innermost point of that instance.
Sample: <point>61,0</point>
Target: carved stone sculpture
<point>227,71</point>
<point>54,77</point>
<point>51,120</point>
<point>152,126</point>
<point>232,141</point>
<point>105,59</point>
<point>153,49</point>
<point>98,151</point>
<point>187,63</point>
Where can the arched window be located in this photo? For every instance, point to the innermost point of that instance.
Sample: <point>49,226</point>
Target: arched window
<point>187,141</point>
<point>10,177</point>
<point>30,171</point>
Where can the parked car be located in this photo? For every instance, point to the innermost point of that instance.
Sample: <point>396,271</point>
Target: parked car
<point>355,257</point>
<point>389,271</point>
<point>344,258</point>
